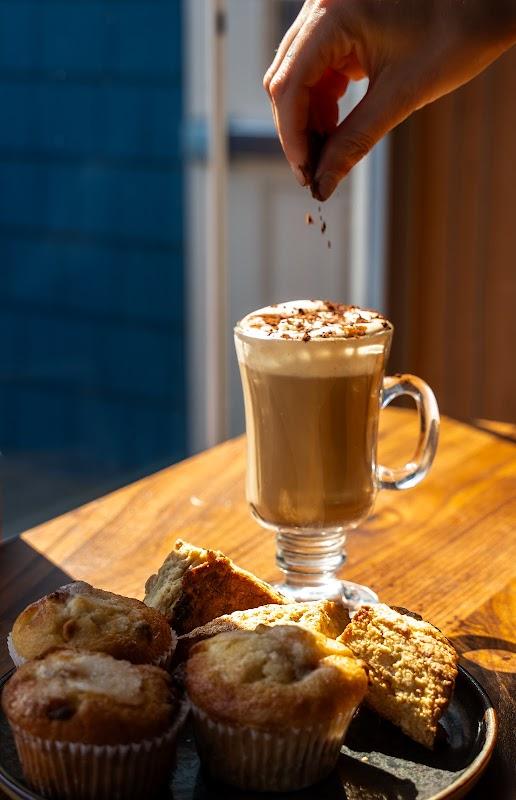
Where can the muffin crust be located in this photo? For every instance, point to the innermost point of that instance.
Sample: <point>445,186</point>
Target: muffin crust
<point>90,698</point>
<point>274,677</point>
<point>81,617</point>
<point>194,586</point>
<point>324,617</point>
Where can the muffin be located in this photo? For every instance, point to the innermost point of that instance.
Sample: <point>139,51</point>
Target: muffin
<point>194,585</point>
<point>412,668</point>
<point>83,618</point>
<point>322,616</point>
<point>90,727</point>
<point>271,706</point>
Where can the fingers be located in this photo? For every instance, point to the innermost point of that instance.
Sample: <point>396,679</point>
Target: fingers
<point>384,106</point>
<point>306,65</point>
<point>285,43</point>
<point>281,53</point>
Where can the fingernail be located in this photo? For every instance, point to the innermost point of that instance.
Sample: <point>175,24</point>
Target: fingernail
<point>325,185</point>
<point>300,175</point>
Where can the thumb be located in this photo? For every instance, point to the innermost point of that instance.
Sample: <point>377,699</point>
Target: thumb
<point>381,109</point>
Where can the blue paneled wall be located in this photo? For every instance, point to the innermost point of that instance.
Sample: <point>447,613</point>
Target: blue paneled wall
<point>92,389</point>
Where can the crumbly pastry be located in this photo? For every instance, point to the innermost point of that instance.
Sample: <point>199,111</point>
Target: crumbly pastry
<point>92,727</point>
<point>194,586</point>
<point>271,706</point>
<point>412,668</point>
<point>84,618</point>
<point>324,616</point>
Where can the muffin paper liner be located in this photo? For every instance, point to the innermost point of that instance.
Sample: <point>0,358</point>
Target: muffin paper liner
<point>98,772</point>
<point>277,761</point>
<point>164,661</point>
<point>17,659</point>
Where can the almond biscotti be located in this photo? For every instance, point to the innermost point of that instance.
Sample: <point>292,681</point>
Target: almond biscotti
<point>194,586</point>
<point>412,668</point>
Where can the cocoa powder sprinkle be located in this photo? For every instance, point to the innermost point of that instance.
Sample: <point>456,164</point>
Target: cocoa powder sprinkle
<point>317,319</point>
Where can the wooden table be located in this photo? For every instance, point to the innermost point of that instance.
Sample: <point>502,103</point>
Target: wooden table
<point>446,549</point>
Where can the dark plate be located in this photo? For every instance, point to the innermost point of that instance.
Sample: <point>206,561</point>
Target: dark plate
<point>377,763</point>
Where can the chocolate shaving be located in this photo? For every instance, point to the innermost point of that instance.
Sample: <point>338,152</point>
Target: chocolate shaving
<point>309,220</point>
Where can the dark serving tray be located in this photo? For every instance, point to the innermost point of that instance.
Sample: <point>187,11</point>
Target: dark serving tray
<point>377,762</point>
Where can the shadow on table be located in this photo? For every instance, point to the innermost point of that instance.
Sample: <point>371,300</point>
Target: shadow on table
<point>25,576</point>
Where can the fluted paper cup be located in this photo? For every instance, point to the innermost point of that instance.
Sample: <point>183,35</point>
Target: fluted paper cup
<point>64,770</point>
<point>18,660</point>
<point>269,761</point>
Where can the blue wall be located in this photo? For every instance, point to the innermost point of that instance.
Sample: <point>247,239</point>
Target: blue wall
<point>91,252</point>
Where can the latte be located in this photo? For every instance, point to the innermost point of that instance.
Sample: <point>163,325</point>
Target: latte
<point>312,375</point>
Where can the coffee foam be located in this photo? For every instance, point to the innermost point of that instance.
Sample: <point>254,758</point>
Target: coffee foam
<point>312,319</point>
<point>329,344</point>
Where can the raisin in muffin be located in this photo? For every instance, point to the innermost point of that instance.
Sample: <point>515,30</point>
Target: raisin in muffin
<point>263,699</point>
<point>84,618</point>
<point>89,726</point>
<point>412,668</point>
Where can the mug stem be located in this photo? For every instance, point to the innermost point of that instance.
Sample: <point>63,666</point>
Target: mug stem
<point>310,560</point>
<point>309,557</point>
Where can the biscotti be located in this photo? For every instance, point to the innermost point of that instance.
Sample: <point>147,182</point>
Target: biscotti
<point>323,616</point>
<point>92,727</point>
<point>262,700</point>
<point>84,618</point>
<point>411,666</point>
<point>194,586</point>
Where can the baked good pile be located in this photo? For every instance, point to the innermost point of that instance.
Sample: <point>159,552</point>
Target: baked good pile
<point>104,682</point>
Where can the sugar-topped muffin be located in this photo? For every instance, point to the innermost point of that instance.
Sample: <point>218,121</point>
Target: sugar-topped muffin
<point>84,618</point>
<point>79,717</point>
<point>261,698</point>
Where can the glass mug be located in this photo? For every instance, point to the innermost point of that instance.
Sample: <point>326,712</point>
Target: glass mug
<point>312,411</point>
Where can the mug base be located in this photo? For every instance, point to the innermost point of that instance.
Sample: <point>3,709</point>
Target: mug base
<point>351,595</point>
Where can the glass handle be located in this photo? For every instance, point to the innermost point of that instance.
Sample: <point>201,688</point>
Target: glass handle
<point>414,471</point>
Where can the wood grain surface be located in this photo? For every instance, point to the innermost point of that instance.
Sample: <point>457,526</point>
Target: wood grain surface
<point>446,549</point>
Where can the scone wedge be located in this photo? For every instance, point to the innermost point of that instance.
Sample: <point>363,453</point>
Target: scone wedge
<point>194,586</point>
<point>324,616</point>
<point>412,668</point>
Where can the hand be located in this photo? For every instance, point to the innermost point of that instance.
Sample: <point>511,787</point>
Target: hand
<point>412,51</point>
